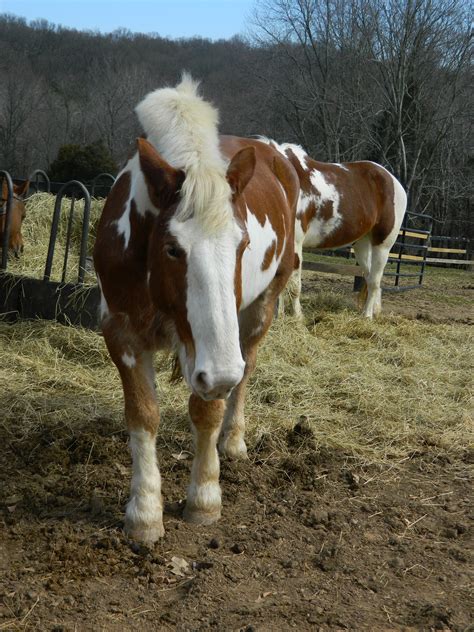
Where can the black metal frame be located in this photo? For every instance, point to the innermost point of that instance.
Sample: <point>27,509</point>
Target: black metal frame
<point>403,245</point>
<point>68,303</point>
<point>101,176</point>
<point>74,186</point>
<point>33,178</point>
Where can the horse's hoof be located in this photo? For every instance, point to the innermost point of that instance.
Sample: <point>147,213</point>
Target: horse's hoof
<point>147,534</point>
<point>200,517</point>
<point>236,450</point>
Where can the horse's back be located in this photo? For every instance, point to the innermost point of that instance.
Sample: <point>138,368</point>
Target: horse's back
<point>365,198</point>
<point>271,168</point>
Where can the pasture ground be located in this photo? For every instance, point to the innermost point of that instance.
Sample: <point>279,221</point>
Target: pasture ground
<point>352,512</point>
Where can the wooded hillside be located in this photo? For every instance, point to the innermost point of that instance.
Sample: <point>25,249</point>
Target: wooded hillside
<point>358,79</point>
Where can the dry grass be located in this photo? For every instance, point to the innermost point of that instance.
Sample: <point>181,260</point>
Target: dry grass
<point>376,390</point>
<point>36,231</point>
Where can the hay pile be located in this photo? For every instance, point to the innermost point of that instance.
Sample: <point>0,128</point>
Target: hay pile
<point>374,390</point>
<point>36,231</point>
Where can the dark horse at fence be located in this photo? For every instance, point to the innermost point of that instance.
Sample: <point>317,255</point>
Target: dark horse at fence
<point>359,203</point>
<point>195,243</point>
<point>15,241</point>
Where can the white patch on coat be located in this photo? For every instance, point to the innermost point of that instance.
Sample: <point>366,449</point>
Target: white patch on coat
<point>138,193</point>
<point>324,192</point>
<point>145,504</point>
<point>340,165</point>
<point>297,150</point>
<point>254,279</point>
<point>129,360</point>
<point>211,303</point>
<point>399,207</point>
<point>104,308</point>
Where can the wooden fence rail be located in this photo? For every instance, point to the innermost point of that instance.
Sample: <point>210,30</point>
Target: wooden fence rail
<point>418,242</point>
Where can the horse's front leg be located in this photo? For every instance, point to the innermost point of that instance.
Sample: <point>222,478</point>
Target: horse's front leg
<point>203,505</point>
<point>231,442</point>
<point>144,513</point>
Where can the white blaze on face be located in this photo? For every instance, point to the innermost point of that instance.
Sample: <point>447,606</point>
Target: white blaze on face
<point>254,279</point>
<point>211,307</point>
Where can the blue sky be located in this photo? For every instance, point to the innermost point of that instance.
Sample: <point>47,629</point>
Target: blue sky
<point>170,18</point>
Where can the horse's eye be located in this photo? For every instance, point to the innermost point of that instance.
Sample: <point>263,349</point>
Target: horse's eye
<point>173,251</point>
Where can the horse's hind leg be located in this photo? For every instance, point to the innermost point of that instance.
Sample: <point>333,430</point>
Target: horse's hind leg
<point>144,513</point>
<point>373,304</point>
<point>363,255</point>
<point>294,284</point>
<point>203,505</point>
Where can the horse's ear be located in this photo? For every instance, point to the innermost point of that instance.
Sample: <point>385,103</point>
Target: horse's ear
<point>164,180</point>
<point>21,189</point>
<point>241,169</point>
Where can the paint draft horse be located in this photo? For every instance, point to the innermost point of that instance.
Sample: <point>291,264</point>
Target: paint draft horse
<point>15,241</point>
<point>195,243</point>
<point>358,203</point>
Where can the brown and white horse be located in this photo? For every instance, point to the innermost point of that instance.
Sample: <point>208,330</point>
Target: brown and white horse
<point>357,203</point>
<point>195,244</point>
<point>15,240</point>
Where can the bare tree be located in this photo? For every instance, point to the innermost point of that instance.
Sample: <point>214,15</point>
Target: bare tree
<point>379,79</point>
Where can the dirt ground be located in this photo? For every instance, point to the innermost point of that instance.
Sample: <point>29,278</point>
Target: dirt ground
<point>310,538</point>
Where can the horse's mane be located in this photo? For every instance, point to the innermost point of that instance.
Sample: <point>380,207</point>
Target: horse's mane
<point>183,128</point>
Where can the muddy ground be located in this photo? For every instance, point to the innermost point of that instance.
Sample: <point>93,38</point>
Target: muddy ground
<point>309,539</point>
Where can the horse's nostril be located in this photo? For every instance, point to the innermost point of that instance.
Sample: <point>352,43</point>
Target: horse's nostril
<point>201,379</point>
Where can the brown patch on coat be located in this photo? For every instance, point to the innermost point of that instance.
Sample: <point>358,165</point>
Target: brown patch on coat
<point>238,269</point>
<point>269,256</point>
<point>304,175</point>
<point>326,210</point>
<point>384,186</point>
<point>207,415</point>
<point>307,216</point>
<point>366,203</point>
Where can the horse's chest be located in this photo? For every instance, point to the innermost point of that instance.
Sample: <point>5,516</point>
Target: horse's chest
<point>260,260</point>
